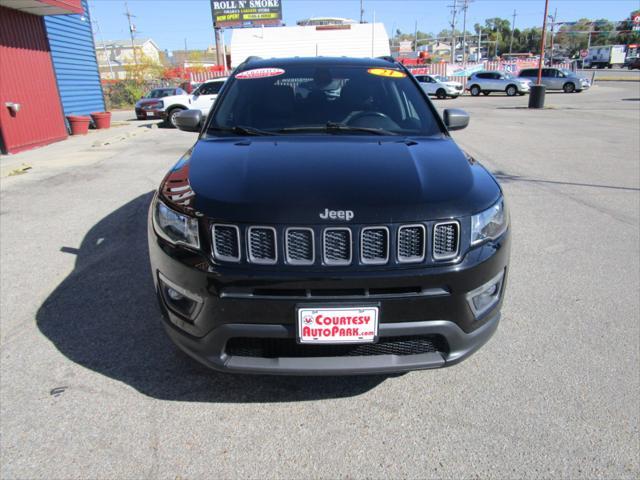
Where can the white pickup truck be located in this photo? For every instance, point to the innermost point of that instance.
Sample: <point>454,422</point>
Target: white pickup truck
<point>201,99</point>
<point>605,56</point>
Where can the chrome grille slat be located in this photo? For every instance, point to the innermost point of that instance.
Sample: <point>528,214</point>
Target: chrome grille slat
<point>446,240</point>
<point>299,246</point>
<point>411,243</point>
<point>226,242</point>
<point>262,245</point>
<point>374,245</point>
<point>337,246</point>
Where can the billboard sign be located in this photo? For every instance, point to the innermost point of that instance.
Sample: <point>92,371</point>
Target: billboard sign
<point>246,13</point>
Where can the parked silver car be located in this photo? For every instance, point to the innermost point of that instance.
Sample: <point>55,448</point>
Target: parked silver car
<point>487,82</point>
<point>557,79</point>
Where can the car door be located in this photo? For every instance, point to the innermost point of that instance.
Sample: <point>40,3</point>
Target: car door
<point>549,79</point>
<point>497,82</point>
<point>204,97</point>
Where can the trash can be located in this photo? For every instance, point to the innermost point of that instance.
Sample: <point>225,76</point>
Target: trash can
<point>101,119</point>
<point>536,96</point>
<point>79,124</point>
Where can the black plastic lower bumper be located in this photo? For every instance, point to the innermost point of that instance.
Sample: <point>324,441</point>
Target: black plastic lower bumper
<point>210,349</point>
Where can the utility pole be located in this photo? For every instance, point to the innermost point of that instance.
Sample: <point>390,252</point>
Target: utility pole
<point>553,24</point>
<point>454,11</point>
<point>361,11</point>
<point>132,30</point>
<point>415,37</point>
<point>478,53</point>
<point>513,27</point>
<point>219,53</point>
<point>464,31</point>
<point>543,40</point>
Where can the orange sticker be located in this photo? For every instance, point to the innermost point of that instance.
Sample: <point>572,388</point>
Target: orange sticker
<point>386,72</point>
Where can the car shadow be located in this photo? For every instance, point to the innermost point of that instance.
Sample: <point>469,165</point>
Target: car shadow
<point>104,316</point>
<point>504,177</point>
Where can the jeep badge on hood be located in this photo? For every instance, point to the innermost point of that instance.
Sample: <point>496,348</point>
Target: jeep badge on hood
<point>346,215</point>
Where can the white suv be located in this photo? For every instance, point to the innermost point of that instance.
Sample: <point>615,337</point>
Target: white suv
<point>487,82</point>
<point>201,99</point>
<point>439,86</point>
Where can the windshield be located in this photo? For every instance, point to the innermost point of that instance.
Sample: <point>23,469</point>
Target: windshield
<point>568,73</point>
<point>160,92</point>
<point>439,78</point>
<point>326,100</point>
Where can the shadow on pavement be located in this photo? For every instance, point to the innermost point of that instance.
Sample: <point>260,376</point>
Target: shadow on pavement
<point>104,317</point>
<point>506,178</point>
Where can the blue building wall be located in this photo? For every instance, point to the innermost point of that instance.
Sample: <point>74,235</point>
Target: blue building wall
<point>74,62</point>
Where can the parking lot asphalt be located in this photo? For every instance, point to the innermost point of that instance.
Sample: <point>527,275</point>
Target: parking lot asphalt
<point>90,386</point>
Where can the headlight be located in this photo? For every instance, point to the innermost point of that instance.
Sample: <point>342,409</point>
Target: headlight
<point>489,224</point>
<point>175,227</point>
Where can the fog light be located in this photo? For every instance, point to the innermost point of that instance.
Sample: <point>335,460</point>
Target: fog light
<point>174,294</point>
<point>486,296</point>
<point>179,300</point>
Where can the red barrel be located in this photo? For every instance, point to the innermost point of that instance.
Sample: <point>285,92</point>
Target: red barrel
<point>79,124</point>
<point>101,119</point>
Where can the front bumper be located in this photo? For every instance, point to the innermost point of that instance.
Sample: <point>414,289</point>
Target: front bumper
<point>143,112</point>
<point>260,306</point>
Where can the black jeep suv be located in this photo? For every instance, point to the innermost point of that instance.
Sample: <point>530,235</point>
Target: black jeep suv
<point>326,223</point>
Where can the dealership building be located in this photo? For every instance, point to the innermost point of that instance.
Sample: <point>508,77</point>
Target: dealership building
<point>48,70</point>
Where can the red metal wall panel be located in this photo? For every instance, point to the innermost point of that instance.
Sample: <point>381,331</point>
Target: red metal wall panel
<point>73,6</point>
<point>27,79</point>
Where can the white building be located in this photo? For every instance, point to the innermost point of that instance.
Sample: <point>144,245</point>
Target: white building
<point>114,55</point>
<point>351,40</point>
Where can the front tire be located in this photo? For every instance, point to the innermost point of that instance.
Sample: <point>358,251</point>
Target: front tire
<point>441,94</point>
<point>475,90</point>
<point>171,116</point>
<point>569,87</point>
<point>511,90</point>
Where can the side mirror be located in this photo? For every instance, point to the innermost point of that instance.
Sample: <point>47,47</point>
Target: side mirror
<point>189,120</point>
<point>455,119</point>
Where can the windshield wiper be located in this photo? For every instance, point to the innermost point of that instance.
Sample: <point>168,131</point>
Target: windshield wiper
<point>243,130</point>
<point>337,127</point>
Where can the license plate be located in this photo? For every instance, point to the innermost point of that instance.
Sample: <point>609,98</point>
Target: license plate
<point>338,325</point>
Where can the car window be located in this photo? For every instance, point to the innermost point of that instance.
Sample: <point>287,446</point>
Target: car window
<point>160,92</point>
<point>421,78</point>
<point>308,97</point>
<point>211,88</point>
<point>483,75</point>
<point>497,76</point>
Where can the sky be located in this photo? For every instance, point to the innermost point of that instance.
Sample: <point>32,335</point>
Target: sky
<point>170,22</point>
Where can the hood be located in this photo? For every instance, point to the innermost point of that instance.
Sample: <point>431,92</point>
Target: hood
<point>293,180</point>
<point>452,83</point>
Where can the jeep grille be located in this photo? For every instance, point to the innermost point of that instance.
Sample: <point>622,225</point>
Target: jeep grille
<point>446,237</point>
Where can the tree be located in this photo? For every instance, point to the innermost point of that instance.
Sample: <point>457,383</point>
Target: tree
<point>144,69</point>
